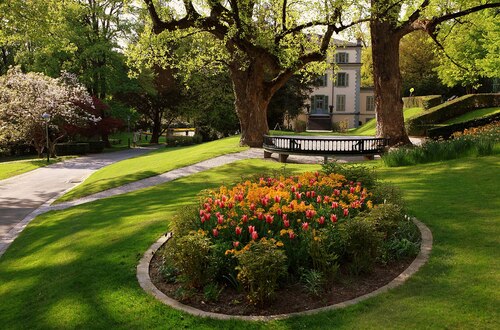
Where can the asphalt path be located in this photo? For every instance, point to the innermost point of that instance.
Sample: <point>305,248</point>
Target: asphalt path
<point>22,194</point>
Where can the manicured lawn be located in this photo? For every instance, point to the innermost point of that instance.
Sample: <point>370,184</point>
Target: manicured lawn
<point>369,128</point>
<point>473,115</point>
<point>124,137</point>
<point>76,268</point>
<point>13,168</point>
<point>153,163</point>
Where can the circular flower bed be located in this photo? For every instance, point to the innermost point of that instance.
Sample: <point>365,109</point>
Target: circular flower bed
<point>309,230</point>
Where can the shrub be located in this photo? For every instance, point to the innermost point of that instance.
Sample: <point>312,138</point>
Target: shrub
<point>426,102</point>
<point>261,264</point>
<point>352,172</point>
<point>313,281</point>
<point>387,218</point>
<point>191,254</point>
<point>72,148</point>
<point>300,126</point>
<point>177,141</point>
<point>212,291</point>
<point>362,242</point>
<point>384,192</point>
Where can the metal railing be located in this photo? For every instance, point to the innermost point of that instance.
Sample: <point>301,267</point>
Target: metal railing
<point>325,145</point>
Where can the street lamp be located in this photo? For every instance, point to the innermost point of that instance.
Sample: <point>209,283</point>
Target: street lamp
<point>46,118</point>
<point>128,130</point>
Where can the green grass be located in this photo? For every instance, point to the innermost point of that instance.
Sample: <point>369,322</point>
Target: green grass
<point>77,268</point>
<point>369,128</point>
<point>153,163</point>
<point>13,168</point>
<point>476,114</point>
<point>125,136</point>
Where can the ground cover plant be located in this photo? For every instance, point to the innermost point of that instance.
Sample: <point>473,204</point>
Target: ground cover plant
<point>153,163</point>
<point>276,231</point>
<point>77,268</point>
<point>477,142</point>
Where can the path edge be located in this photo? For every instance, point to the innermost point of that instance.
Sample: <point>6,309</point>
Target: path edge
<point>146,283</point>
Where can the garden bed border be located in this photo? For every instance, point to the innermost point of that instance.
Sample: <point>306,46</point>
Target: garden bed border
<point>149,287</point>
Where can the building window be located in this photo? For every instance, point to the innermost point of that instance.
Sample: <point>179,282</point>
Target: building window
<point>342,57</point>
<point>342,79</point>
<point>322,81</point>
<point>340,102</point>
<point>370,103</point>
<point>319,104</point>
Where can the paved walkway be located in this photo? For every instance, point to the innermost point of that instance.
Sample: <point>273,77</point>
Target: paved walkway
<point>23,194</point>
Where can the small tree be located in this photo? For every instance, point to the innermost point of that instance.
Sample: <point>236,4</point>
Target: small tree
<point>25,97</point>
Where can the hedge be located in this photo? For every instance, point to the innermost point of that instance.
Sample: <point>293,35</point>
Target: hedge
<point>426,101</point>
<point>72,148</point>
<point>421,124</point>
<point>175,141</point>
<point>446,131</point>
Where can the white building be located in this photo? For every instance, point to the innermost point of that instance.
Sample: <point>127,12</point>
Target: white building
<point>340,101</point>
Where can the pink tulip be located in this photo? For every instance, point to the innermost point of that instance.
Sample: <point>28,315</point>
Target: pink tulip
<point>352,190</point>
<point>277,199</point>
<point>321,220</point>
<point>236,244</point>
<point>308,194</point>
<point>252,207</point>
<point>305,225</point>
<point>251,229</point>
<point>333,218</point>
<point>255,235</point>
<point>335,205</point>
<point>244,218</point>
<point>279,212</point>
<point>336,192</point>
<point>291,235</point>
<point>318,199</point>
<point>238,230</point>
<point>346,212</point>
<point>269,218</point>
<point>285,216</point>
<point>286,223</point>
<point>215,232</point>
<point>260,216</point>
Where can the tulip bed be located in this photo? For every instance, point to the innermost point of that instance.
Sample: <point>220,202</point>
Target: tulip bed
<point>261,234</point>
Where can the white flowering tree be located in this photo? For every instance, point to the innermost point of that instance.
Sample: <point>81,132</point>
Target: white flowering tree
<point>25,97</point>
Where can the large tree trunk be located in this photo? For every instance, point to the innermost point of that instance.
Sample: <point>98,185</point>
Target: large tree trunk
<point>251,101</point>
<point>388,82</point>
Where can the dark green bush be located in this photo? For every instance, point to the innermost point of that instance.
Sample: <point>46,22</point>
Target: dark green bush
<point>387,218</point>
<point>426,101</point>
<point>447,131</point>
<point>352,172</point>
<point>72,148</point>
<point>363,243</point>
<point>260,267</point>
<point>384,192</point>
<point>177,141</point>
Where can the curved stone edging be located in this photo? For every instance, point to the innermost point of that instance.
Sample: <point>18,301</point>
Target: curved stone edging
<point>149,287</point>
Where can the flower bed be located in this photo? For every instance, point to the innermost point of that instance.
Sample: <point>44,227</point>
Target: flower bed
<point>309,230</point>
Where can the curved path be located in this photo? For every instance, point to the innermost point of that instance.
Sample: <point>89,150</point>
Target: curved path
<point>25,196</point>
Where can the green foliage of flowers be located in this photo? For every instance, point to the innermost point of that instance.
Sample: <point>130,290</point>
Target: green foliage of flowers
<point>260,229</point>
<point>474,142</point>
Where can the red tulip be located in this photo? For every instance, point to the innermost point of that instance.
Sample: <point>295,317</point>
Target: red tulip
<point>308,194</point>
<point>206,216</point>
<point>335,205</point>
<point>313,194</point>
<point>279,212</point>
<point>260,216</point>
<point>291,206</point>
<point>346,212</point>
<point>251,229</point>
<point>285,216</point>
<point>277,199</point>
<point>286,223</point>
<point>293,189</point>
<point>298,195</point>
<point>321,220</point>
<point>310,213</point>
<point>336,192</point>
<point>305,225</point>
<point>326,199</point>
<point>236,244</point>
<point>333,218</point>
<point>215,232</point>
<point>224,198</point>
<point>318,199</point>
<point>202,212</point>
<point>252,207</point>
<point>255,235</point>
<point>291,234</point>
<point>238,230</point>
<point>352,190</point>
<point>244,218</point>
<point>269,218</point>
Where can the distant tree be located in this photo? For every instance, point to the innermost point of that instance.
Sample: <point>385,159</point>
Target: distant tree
<point>366,67</point>
<point>418,60</point>
<point>289,100</point>
<point>25,97</point>
<point>471,49</point>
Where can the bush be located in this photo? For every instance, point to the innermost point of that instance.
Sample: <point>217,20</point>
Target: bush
<point>362,242</point>
<point>352,172</point>
<point>300,126</point>
<point>313,281</point>
<point>447,131</point>
<point>426,102</point>
<point>177,141</point>
<point>260,267</point>
<point>96,146</point>
<point>420,124</point>
<point>384,192</point>
<point>72,148</point>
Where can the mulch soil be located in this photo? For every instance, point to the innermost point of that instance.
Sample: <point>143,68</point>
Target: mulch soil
<point>288,299</point>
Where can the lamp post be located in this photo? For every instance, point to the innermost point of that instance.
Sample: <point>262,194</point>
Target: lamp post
<point>128,130</point>
<point>46,118</point>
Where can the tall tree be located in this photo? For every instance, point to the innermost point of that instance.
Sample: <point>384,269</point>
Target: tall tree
<point>265,44</point>
<point>391,21</point>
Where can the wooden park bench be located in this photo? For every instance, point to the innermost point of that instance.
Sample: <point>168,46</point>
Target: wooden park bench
<point>326,146</point>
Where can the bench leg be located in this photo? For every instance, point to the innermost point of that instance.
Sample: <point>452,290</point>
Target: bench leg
<point>283,158</point>
<point>267,154</point>
<point>369,157</point>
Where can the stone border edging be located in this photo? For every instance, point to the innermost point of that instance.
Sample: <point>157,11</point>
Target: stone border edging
<point>149,287</point>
